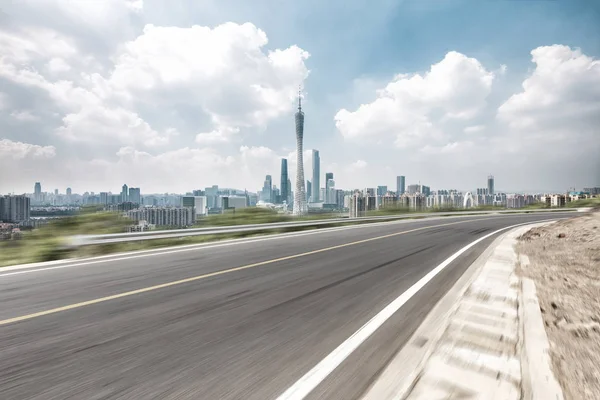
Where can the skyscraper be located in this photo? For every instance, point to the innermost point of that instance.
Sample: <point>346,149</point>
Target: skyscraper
<point>490,184</point>
<point>316,172</point>
<point>69,192</point>
<point>124,194</point>
<point>328,176</point>
<point>308,190</point>
<point>37,192</point>
<point>300,206</point>
<point>267,190</point>
<point>400,185</point>
<point>135,196</point>
<point>284,180</point>
<point>329,184</point>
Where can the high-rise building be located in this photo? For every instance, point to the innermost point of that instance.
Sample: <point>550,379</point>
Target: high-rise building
<point>236,202</point>
<point>316,176</point>
<point>104,198</point>
<point>15,209</point>
<point>308,191</point>
<point>400,185</point>
<point>267,190</point>
<point>135,196</point>
<point>490,184</point>
<point>330,191</point>
<point>56,192</point>
<point>37,192</point>
<point>300,206</point>
<point>329,184</point>
<point>212,193</point>
<point>381,190</point>
<point>124,194</point>
<point>69,192</point>
<point>412,189</point>
<point>284,180</point>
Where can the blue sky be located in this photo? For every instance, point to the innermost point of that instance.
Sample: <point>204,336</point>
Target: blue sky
<point>448,131</point>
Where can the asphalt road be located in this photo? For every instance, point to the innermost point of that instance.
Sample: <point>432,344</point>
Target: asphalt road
<point>241,321</point>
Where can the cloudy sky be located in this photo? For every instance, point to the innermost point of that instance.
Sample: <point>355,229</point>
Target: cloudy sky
<point>175,95</point>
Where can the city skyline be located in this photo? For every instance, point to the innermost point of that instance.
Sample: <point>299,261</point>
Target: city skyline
<point>379,99</point>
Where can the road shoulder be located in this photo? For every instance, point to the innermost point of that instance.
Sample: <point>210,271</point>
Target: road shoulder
<point>471,344</point>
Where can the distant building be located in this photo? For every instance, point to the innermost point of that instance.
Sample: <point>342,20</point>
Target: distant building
<point>330,191</point>
<point>308,191</point>
<point>400,185</point>
<point>15,209</point>
<point>235,202</point>
<point>357,206</point>
<point>266,193</point>
<point>515,201</point>
<point>69,191</point>
<point>490,184</point>
<point>211,193</point>
<point>388,201</point>
<point>164,216</point>
<point>558,200</point>
<point>124,194</point>
<point>37,192</point>
<point>413,189</point>
<point>594,191</point>
<point>135,195</point>
<point>316,179</point>
<point>284,181</point>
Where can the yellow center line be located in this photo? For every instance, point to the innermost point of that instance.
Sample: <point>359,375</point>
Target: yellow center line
<point>211,274</point>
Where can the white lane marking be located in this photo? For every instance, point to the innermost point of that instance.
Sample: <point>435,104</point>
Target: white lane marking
<point>24,269</point>
<point>319,372</point>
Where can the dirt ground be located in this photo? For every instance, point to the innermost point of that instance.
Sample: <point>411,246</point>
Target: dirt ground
<point>565,266</point>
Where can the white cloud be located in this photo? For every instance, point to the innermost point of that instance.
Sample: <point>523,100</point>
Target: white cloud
<point>224,71</point>
<point>450,148</point>
<point>23,115</point>
<point>563,89</point>
<point>410,106</point>
<point>358,164</point>
<point>474,128</point>
<point>221,135</point>
<point>19,150</point>
<point>100,124</point>
<point>57,65</point>
<point>29,44</point>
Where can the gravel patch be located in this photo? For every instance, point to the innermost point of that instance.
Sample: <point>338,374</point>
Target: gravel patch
<point>565,266</point>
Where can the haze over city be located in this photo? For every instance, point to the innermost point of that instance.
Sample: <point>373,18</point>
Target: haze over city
<point>171,96</point>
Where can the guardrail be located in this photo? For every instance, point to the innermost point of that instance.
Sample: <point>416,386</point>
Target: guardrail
<point>83,240</point>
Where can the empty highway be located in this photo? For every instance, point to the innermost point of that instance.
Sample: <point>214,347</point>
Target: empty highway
<point>245,320</point>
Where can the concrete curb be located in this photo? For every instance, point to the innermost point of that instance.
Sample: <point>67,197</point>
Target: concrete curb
<point>539,382</point>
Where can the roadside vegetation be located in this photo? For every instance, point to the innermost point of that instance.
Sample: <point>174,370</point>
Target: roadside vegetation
<point>50,242</point>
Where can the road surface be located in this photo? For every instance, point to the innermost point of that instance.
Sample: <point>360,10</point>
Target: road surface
<point>240,321</point>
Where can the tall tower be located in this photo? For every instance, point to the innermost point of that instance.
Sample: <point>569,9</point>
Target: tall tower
<point>300,207</point>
